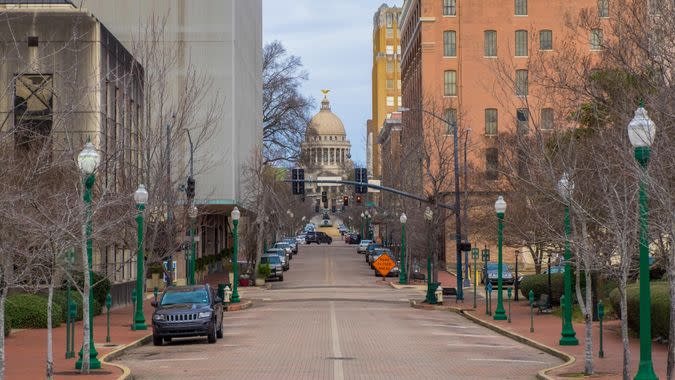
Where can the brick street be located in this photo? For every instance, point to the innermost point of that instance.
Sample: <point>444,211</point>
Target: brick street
<point>330,320</point>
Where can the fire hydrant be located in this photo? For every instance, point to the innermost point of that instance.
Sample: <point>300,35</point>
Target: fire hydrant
<point>228,293</point>
<point>439,294</point>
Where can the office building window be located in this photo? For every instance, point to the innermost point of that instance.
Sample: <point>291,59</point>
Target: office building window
<point>390,67</point>
<point>521,7</point>
<point>398,84</point>
<point>490,121</point>
<point>545,40</point>
<point>390,84</point>
<point>390,101</point>
<point>522,120</point>
<point>449,7</point>
<point>449,43</point>
<point>390,32</point>
<point>521,43</point>
<point>390,49</point>
<point>491,164</point>
<point>400,101</point>
<point>390,20</point>
<point>398,50</point>
<point>450,83</point>
<point>490,42</point>
<point>521,82</point>
<point>33,106</point>
<point>450,116</point>
<point>596,39</point>
<point>603,8</point>
<point>547,118</point>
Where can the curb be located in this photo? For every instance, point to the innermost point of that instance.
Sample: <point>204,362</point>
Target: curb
<point>542,374</point>
<point>114,354</point>
<point>239,306</point>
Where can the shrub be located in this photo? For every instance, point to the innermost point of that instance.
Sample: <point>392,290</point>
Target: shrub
<point>30,311</point>
<point>101,287</point>
<point>539,284</point>
<point>660,309</point>
<point>264,270</point>
<point>8,325</point>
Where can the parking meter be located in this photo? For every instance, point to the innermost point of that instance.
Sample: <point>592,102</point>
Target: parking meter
<point>531,297</point>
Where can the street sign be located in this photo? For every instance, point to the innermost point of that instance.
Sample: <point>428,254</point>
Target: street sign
<point>384,264</point>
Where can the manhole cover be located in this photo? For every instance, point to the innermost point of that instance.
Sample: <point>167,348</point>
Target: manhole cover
<point>339,358</point>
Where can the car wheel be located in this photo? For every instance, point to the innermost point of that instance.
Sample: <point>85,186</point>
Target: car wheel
<point>219,333</point>
<point>167,339</point>
<point>156,340</point>
<point>212,337</point>
<point>281,278</point>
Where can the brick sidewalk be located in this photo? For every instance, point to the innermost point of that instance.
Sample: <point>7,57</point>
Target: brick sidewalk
<point>26,350</point>
<point>547,328</point>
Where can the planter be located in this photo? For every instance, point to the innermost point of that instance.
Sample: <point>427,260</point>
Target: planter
<point>259,282</point>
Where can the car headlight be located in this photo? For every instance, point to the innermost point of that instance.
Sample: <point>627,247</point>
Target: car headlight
<point>205,314</point>
<point>159,317</point>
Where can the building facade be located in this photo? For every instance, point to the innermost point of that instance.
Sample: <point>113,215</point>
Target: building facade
<point>326,155</point>
<point>468,62</point>
<point>386,81</point>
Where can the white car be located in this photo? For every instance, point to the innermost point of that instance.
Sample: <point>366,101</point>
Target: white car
<point>300,239</point>
<point>363,246</point>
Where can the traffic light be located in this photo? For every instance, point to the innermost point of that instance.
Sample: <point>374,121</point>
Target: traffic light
<point>316,206</point>
<point>358,199</point>
<point>298,184</point>
<point>324,197</point>
<point>190,188</point>
<point>345,200</point>
<point>332,208</point>
<point>361,175</point>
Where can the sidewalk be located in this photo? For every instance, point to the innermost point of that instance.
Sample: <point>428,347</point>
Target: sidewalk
<point>547,328</point>
<point>26,350</point>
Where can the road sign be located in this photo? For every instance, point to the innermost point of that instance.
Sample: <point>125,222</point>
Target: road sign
<point>384,264</point>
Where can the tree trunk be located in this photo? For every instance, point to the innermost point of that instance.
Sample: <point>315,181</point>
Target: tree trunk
<point>624,327</point>
<point>588,313</point>
<point>3,297</point>
<point>85,303</point>
<point>670,371</point>
<point>50,339</point>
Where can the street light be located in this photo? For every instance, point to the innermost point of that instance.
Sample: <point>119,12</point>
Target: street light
<point>431,291</point>
<point>141,198</point>
<point>500,208</point>
<point>403,278</point>
<point>88,160</point>
<point>641,132</point>
<point>235,263</point>
<point>363,221</point>
<point>192,260</point>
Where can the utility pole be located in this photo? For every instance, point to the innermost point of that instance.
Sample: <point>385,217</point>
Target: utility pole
<point>458,216</point>
<point>465,223</point>
<point>169,204</point>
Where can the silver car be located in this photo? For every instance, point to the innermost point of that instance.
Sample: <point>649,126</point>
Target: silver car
<point>286,247</point>
<point>283,255</point>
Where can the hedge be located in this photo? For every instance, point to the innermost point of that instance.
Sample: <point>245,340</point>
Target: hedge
<point>8,325</point>
<point>539,284</point>
<point>30,311</point>
<point>660,309</point>
<point>61,300</point>
<point>101,287</point>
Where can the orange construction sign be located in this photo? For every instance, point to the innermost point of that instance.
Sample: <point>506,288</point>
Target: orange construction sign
<point>384,264</point>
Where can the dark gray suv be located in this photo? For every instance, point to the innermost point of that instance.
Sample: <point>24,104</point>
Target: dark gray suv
<point>185,311</point>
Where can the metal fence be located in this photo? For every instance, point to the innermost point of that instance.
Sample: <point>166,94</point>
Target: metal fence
<point>121,293</point>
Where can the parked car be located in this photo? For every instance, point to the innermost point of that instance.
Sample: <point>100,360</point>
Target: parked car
<point>363,246</point>
<point>276,268</point>
<point>556,269</point>
<point>416,272</point>
<point>369,250</point>
<point>376,253</point>
<point>293,244</point>
<point>318,238</point>
<point>300,239</point>
<point>286,247</point>
<point>352,239</point>
<point>186,311</point>
<point>490,272</point>
<point>283,255</point>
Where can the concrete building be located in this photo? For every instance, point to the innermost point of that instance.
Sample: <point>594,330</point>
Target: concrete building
<point>222,40</point>
<point>66,79</point>
<point>386,77</point>
<point>454,59</point>
<point>326,154</point>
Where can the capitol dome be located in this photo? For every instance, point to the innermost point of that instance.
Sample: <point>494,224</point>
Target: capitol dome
<point>325,123</point>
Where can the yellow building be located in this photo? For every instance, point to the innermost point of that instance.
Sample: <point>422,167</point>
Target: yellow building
<point>386,80</point>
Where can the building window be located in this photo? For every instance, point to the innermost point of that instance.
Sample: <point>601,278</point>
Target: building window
<point>490,42</point>
<point>521,43</point>
<point>491,164</point>
<point>522,120</point>
<point>400,101</point>
<point>390,67</point>
<point>545,40</point>
<point>596,39</point>
<point>450,82</point>
<point>491,122</point>
<point>603,8</point>
<point>449,43</point>
<point>521,7</point>
<point>398,84</point>
<point>390,32</point>
<point>390,101</point>
<point>390,20</point>
<point>547,118</point>
<point>390,49</point>
<point>398,49</point>
<point>390,84</point>
<point>449,7</point>
<point>521,82</point>
<point>33,102</point>
<point>451,118</point>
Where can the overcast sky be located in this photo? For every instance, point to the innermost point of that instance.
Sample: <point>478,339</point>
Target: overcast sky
<point>334,40</point>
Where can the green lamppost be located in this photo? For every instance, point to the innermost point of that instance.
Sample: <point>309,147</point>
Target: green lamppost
<point>431,290</point>
<point>88,160</point>
<point>474,254</point>
<point>500,208</point>
<point>368,225</point>
<point>235,262</point>
<point>363,228</point>
<point>568,336</point>
<point>403,278</point>
<point>192,213</point>
<point>141,198</point>
<point>641,132</point>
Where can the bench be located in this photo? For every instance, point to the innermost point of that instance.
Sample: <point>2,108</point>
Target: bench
<point>449,291</point>
<point>542,304</point>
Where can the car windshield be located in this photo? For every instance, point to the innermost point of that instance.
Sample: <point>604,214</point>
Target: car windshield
<point>276,252</point>
<point>270,260</point>
<point>185,296</point>
<point>281,245</point>
<point>493,266</point>
<point>366,241</point>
